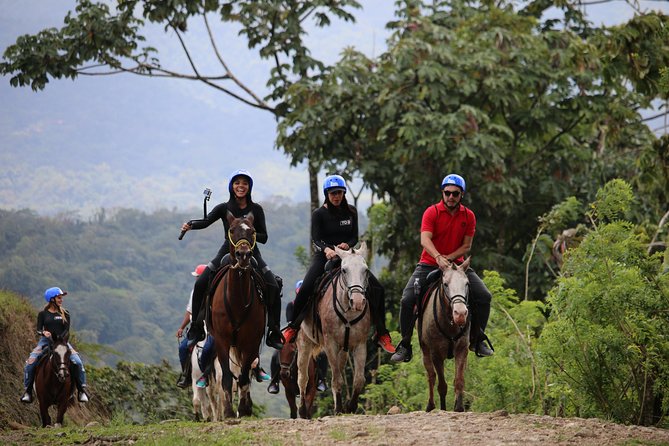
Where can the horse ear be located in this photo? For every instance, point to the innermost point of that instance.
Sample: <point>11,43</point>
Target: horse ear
<point>340,252</point>
<point>250,217</point>
<point>362,251</point>
<point>465,264</point>
<point>230,217</point>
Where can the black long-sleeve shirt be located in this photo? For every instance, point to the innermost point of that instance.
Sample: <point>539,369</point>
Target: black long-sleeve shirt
<point>330,228</point>
<point>220,212</point>
<point>53,322</point>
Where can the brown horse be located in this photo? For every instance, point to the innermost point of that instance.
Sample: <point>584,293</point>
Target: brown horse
<point>237,316</point>
<point>54,384</point>
<point>288,358</point>
<point>344,325</point>
<point>443,332</point>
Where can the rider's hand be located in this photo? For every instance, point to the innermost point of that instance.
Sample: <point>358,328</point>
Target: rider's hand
<point>442,262</point>
<point>180,331</point>
<point>343,246</point>
<point>47,334</point>
<point>185,227</point>
<point>330,253</point>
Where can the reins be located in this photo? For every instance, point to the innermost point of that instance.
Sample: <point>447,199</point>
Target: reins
<point>335,304</point>
<point>442,297</point>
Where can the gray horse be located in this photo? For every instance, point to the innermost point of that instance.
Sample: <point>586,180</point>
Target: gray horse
<point>443,332</point>
<point>344,326</point>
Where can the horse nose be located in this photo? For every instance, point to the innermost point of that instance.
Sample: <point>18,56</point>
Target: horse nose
<point>358,303</point>
<point>460,316</point>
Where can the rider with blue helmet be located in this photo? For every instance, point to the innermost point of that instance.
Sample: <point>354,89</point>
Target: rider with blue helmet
<point>446,234</point>
<point>336,224</point>
<point>52,322</point>
<point>240,205</point>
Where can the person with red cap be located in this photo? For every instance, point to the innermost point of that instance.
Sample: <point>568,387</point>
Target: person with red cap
<point>53,321</point>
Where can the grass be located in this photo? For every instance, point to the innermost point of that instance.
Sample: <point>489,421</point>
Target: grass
<point>165,434</point>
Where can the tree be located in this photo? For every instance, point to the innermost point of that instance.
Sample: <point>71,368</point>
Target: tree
<point>528,111</point>
<point>605,348</point>
<point>98,41</point>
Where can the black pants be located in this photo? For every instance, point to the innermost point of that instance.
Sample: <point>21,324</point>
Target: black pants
<point>375,293</point>
<point>479,302</point>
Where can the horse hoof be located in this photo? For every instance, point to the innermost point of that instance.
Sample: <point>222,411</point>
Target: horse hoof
<point>429,408</point>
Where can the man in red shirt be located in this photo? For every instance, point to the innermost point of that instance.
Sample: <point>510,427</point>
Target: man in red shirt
<point>446,235</point>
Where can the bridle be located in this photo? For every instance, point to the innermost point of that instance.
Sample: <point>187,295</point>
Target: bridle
<point>61,366</point>
<point>237,245</point>
<point>351,289</point>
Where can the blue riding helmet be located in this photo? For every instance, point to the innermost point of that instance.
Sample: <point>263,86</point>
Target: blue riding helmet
<point>453,179</point>
<point>53,292</point>
<point>298,285</point>
<point>240,173</point>
<point>334,182</point>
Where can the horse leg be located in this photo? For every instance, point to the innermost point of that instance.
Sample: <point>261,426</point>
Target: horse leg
<point>338,362</point>
<point>442,386</point>
<point>245,408</point>
<point>226,385</point>
<point>311,388</point>
<point>44,413</point>
<point>359,357</point>
<point>431,376</point>
<point>304,348</point>
<point>60,415</point>
<point>459,383</point>
<point>290,397</point>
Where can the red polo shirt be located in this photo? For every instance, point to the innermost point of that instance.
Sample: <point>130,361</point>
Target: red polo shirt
<point>448,231</point>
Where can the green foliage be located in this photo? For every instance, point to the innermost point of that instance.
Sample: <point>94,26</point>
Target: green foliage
<point>605,349</point>
<point>613,200</point>
<point>141,393</point>
<point>528,111</point>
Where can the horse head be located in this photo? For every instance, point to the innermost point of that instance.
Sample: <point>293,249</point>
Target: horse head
<point>456,286</point>
<point>60,356</point>
<point>354,273</point>
<point>242,237</point>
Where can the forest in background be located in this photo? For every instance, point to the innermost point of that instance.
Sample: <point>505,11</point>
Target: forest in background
<point>127,275</point>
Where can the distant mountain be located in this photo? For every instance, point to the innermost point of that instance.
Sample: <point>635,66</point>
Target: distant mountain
<point>127,141</point>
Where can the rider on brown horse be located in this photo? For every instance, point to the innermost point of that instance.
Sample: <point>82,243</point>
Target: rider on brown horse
<point>239,205</point>
<point>53,321</point>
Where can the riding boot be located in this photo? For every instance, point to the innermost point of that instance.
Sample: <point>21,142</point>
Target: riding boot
<point>28,394</point>
<point>477,336</point>
<point>403,351</point>
<point>75,372</point>
<point>185,378</point>
<point>274,337</point>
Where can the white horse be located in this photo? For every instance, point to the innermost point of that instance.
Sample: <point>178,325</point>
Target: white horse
<point>344,326</point>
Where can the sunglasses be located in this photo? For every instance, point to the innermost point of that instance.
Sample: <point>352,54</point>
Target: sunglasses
<point>454,193</point>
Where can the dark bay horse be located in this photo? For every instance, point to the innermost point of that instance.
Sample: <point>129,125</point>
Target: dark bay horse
<point>54,384</point>
<point>344,326</point>
<point>288,359</point>
<point>237,316</point>
<point>443,332</point>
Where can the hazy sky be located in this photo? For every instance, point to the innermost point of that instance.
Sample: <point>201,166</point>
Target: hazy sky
<point>119,124</point>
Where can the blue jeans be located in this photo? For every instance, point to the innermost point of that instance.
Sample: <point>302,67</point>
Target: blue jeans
<point>33,359</point>
<point>207,354</point>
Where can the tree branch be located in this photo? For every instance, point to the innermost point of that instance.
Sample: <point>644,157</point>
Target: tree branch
<point>228,72</point>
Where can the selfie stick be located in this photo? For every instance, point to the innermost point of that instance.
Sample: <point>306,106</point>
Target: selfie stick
<point>207,196</point>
